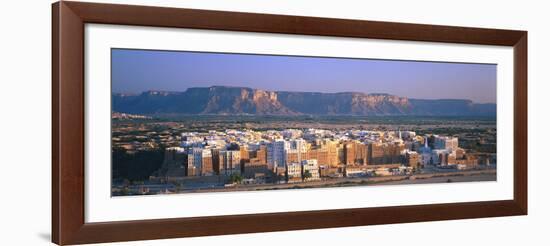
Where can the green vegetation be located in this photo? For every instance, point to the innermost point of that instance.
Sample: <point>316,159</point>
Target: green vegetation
<point>306,175</point>
<point>203,123</point>
<point>236,178</point>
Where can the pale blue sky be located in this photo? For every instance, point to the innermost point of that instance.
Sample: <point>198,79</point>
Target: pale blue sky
<point>135,71</point>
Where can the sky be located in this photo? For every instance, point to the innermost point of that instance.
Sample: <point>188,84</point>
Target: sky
<point>135,71</point>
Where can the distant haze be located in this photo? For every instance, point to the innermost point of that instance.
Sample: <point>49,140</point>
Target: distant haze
<point>135,71</point>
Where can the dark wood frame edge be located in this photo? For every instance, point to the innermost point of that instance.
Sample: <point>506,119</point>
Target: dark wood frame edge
<point>68,224</point>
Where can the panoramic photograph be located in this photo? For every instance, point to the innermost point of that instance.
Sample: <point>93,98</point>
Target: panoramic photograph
<point>190,122</point>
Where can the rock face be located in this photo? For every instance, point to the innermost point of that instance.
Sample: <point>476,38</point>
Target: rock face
<point>222,100</point>
<point>344,103</point>
<point>232,100</point>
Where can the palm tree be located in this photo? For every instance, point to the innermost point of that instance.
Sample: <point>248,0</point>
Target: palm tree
<point>235,178</point>
<point>307,175</point>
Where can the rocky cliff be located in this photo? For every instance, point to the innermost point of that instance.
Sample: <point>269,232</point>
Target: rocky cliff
<point>222,100</point>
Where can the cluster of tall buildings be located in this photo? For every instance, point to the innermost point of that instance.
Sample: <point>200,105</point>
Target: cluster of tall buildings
<point>444,151</point>
<point>294,155</point>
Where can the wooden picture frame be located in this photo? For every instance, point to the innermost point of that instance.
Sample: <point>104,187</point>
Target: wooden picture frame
<point>68,223</point>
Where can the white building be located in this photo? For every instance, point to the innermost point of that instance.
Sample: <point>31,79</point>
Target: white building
<point>294,171</point>
<point>191,139</point>
<point>312,167</point>
<point>292,133</point>
<point>216,143</point>
<point>408,134</point>
<point>439,156</point>
<point>195,159</point>
<point>426,153</point>
<point>298,147</point>
<point>178,150</point>
<point>444,142</point>
<point>276,153</point>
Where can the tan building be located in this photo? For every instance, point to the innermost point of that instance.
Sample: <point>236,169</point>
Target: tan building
<point>355,153</point>
<point>465,159</point>
<point>258,156</point>
<point>230,162</point>
<point>245,156</point>
<point>325,152</point>
<point>328,171</point>
<point>191,169</point>
<point>252,170</point>
<point>216,160</point>
<point>412,159</point>
<point>332,153</point>
<point>207,168</point>
<point>385,153</point>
